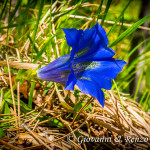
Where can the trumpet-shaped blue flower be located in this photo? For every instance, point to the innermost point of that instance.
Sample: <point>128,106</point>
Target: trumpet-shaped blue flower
<point>89,65</point>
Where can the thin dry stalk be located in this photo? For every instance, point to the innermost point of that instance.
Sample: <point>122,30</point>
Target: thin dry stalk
<point>36,136</point>
<point>54,32</point>
<point>78,113</point>
<point>12,93</point>
<point>19,65</point>
<point>9,145</point>
<point>18,97</point>
<point>107,21</point>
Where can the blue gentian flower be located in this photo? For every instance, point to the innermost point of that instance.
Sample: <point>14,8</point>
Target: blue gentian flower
<point>89,65</point>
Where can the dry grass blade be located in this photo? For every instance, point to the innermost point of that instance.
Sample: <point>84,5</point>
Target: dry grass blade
<point>36,137</point>
<point>18,97</point>
<point>100,122</point>
<point>9,145</point>
<point>19,65</point>
<point>140,119</point>
<point>107,21</point>
<point>12,92</point>
<point>62,100</point>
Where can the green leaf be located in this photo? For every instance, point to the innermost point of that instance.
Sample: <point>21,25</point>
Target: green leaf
<point>148,77</point>
<point>48,51</point>
<point>114,25</point>
<point>2,106</point>
<point>14,11</point>
<point>99,10</point>
<point>138,85</point>
<point>37,23</point>
<point>3,9</point>
<point>130,30</point>
<point>119,97</point>
<point>43,49</point>
<point>47,88</point>
<point>134,49</point>
<point>2,133</point>
<point>6,109</point>
<point>146,102</point>
<point>19,76</point>
<point>106,11</point>
<point>56,122</point>
<point>23,106</point>
<point>79,105</point>
<point>21,24</point>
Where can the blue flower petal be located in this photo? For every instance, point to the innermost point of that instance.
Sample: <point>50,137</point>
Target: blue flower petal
<point>90,39</point>
<point>89,87</point>
<point>70,82</point>
<point>72,36</point>
<point>100,72</point>
<point>102,53</point>
<point>102,81</point>
<point>107,68</point>
<point>57,71</point>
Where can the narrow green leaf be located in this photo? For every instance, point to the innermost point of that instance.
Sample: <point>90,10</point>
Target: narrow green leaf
<point>2,133</point>
<point>99,10</point>
<point>106,11</point>
<point>14,11</point>
<point>38,19</point>
<point>6,109</point>
<point>117,20</point>
<point>134,49</point>
<point>2,106</point>
<point>50,28</point>
<point>138,85</point>
<point>130,30</point>
<point>33,44</point>
<point>47,88</point>
<point>119,97</point>
<point>143,97</point>
<point>30,21</point>
<point>122,21</point>
<point>43,49</point>
<point>23,106</point>
<point>146,101</point>
<point>3,9</point>
<point>37,23</point>
<point>148,77</point>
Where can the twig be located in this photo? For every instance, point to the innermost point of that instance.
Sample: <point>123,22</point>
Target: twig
<point>107,21</point>
<point>70,132</point>
<point>35,125</point>
<point>13,98</point>
<point>19,65</point>
<point>7,114</point>
<point>43,107</point>
<point>9,145</point>
<point>36,136</point>
<point>54,32</point>
<point>18,97</point>
<point>69,128</point>
<point>90,100</point>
